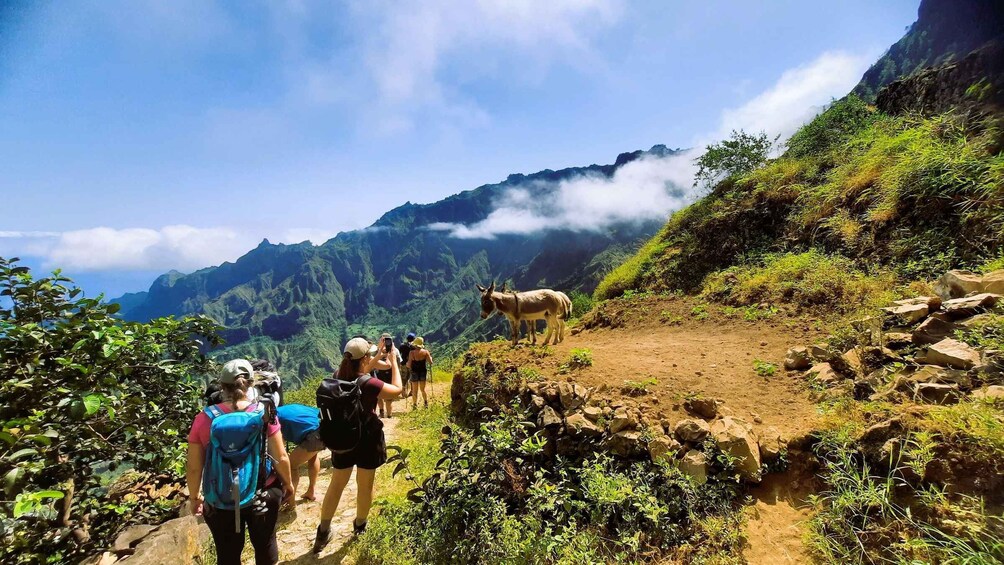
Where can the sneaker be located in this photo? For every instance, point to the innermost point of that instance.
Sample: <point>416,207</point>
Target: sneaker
<point>381,413</point>
<point>322,540</point>
<point>358,528</point>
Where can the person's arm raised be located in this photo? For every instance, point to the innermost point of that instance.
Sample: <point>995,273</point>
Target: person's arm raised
<point>392,389</point>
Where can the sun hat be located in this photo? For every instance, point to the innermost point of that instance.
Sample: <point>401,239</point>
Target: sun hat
<point>411,336</point>
<point>359,347</point>
<point>419,342</point>
<point>386,335</point>
<point>236,368</point>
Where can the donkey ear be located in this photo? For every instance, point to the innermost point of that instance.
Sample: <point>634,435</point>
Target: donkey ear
<point>480,288</point>
<point>492,287</point>
<point>503,287</point>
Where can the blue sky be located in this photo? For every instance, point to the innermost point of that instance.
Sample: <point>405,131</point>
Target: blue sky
<point>142,136</point>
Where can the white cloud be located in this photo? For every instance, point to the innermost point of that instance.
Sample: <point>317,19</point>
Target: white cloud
<point>652,188</point>
<point>797,96</point>
<point>178,247</point>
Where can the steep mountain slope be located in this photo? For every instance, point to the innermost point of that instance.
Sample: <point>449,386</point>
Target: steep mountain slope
<point>945,31</point>
<point>294,303</point>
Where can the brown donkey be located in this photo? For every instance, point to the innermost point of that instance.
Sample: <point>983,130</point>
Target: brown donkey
<point>530,306</point>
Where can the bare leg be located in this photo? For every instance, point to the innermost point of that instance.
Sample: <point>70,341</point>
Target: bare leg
<point>364,493</point>
<point>390,407</point>
<point>421,387</point>
<point>298,457</point>
<point>414,394</point>
<point>339,478</point>
<point>313,470</point>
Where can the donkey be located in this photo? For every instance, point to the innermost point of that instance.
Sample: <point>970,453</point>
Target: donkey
<point>517,306</point>
<point>562,318</point>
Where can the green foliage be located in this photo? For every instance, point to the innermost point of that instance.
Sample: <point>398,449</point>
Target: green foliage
<point>581,303</point>
<point>638,388</point>
<point>579,358</point>
<point>764,368</point>
<point>810,279</point>
<point>732,158</point>
<point>84,397</point>
<point>837,124</point>
<point>700,312</point>
<point>627,275</point>
<point>305,393</point>
<point>985,332</point>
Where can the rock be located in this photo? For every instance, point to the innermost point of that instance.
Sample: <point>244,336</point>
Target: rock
<point>891,450</point>
<point>993,392</point>
<point>970,305</point>
<point>663,448</point>
<point>937,393</point>
<point>873,357</point>
<point>106,558</point>
<point>797,359</point>
<point>950,353</point>
<point>763,344</point>
<point>695,465</point>
<point>823,373</point>
<point>580,425</point>
<point>572,395</point>
<point>756,418</point>
<point>868,385</point>
<point>882,431</point>
<point>955,284</point>
<point>907,314</point>
<point>176,542</point>
<point>934,374</point>
<point>706,408</point>
<point>933,302</point>
<point>933,330</point>
<point>994,282</point>
<point>735,438</point>
<point>820,352</point>
<point>622,420</point>
<point>129,537</point>
<point>536,403</point>
<point>974,322</point>
<point>592,413</point>
<point>625,443</point>
<point>897,340</point>
<point>549,418</point>
<point>691,430</point>
<point>771,444</point>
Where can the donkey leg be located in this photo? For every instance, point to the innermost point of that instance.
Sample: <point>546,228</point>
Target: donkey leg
<point>532,324</point>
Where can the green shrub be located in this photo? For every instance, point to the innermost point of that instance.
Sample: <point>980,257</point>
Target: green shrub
<point>579,358</point>
<point>628,274</point>
<point>843,119</point>
<point>305,393</point>
<point>581,303</point>
<point>810,280</point>
<point>764,368</point>
<point>86,397</point>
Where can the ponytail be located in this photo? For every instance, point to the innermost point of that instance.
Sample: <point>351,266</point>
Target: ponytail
<point>237,391</point>
<point>349,368</point>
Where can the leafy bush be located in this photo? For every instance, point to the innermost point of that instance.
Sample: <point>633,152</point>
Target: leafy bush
<point>731,158</point>
<point>986,332</point>
<point>810,280</point>
<point>86,396</point>
<point>579,358</point>
<point>764,368</point>
<point>581,303</point>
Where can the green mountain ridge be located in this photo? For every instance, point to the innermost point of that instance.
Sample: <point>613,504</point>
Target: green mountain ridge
<point>294,304</point>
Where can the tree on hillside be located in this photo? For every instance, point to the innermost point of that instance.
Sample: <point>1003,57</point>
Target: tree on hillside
<point>85,396</point>
<point>734,157</point>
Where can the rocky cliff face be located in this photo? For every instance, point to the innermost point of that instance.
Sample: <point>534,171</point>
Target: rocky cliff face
<point>945,31</point>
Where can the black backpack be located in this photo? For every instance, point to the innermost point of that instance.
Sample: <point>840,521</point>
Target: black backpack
<point>343,418</point>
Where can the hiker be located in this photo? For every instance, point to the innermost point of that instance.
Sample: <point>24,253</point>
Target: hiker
<point>232,482</point>
<point>405,349</point>
<point>300,427</point>
<point>385,349</point>
<point>419,362</point>
<point>352,431</point>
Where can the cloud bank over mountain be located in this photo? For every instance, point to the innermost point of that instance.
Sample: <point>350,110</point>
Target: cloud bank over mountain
<point>653,187</point>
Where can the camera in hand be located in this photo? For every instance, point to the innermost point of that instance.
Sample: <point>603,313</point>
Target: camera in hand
<point>388,345</point>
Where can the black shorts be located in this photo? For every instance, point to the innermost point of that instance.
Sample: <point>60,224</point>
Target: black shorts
<point>371,452</point>
<point>385,376</point>
<point>417,377</point>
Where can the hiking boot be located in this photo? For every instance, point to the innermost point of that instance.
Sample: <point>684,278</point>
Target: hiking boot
<point>358,529</point>
<point>381,412</point>
<point>322,540</point>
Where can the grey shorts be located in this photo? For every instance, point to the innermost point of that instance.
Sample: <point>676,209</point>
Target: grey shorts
<point>312,442</point>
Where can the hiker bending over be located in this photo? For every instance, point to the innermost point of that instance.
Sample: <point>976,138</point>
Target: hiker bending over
<point>232,482</point>
<point>352,431</point>
<point>300,427</point>
<point>419,361</point>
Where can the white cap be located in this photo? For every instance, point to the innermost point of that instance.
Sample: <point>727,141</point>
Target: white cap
<point>359,347</point>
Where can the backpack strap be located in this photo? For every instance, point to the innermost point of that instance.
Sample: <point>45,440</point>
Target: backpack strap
<point>213,411</point>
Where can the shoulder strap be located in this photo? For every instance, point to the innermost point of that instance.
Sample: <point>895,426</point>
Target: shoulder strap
<point>212,412</point>
<point>362,380</point>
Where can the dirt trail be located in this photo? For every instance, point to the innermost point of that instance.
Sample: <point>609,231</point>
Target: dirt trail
<point>297,528</point>
<point>661,339</point>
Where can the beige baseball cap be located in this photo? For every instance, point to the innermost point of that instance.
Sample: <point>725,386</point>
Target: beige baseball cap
<point>358,347</point>
<point>236,368</point>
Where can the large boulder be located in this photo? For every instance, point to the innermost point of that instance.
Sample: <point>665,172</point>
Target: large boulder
<point>579,424</point>
<point>933,330</point>
<point>955,284</point>
<point>736,438</point>
<point>663,448</point>
<point>695,465</point>
<point>572,395</point>
<point>993,392</point>
<point>823,373</point>
<point>950,353</point>
<point>175,542</point>
<point>626,443</point>
<point>933,302</point>
<point>130,537</point>
<point>690,430</point>
<point>771,444</point>
<point>549,418</point>
<point>622,420</point>
<point>970,305</point>
<point>994,282</point>
<point>797,359</point>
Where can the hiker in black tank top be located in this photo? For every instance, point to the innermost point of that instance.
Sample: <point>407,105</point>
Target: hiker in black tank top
<point>419,360</point>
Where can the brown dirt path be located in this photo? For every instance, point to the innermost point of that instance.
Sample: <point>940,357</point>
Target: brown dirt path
<point>660,338</point>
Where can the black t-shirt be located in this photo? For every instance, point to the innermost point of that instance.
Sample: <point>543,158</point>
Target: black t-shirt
<point>405,349</point>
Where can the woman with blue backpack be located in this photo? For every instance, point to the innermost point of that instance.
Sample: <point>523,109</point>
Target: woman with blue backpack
<point>352,431</point>
<point>231,478</point>
<point>300,425</point>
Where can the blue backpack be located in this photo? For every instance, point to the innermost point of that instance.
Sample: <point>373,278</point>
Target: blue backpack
<point>236,462</point>
<point>297,420</point>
